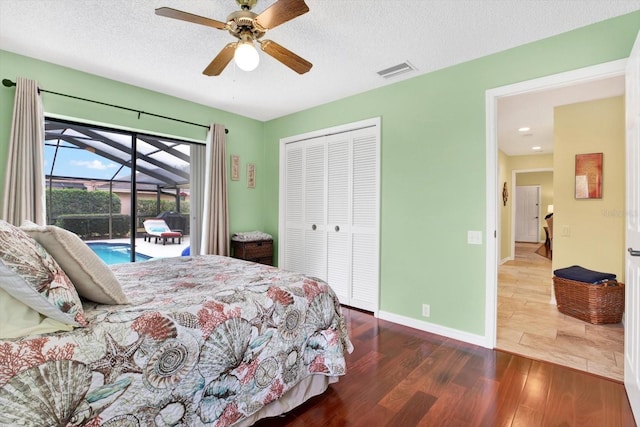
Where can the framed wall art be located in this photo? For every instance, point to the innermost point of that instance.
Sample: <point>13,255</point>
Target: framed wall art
<point>588,176</point>
<point>251,175</point>
<point>235,168</point>
<point>505,194</point>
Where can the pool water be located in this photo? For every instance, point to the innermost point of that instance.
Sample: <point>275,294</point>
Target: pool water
<point>115,253</point>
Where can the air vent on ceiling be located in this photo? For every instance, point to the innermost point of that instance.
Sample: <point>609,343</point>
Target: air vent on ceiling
<point>396,69</point>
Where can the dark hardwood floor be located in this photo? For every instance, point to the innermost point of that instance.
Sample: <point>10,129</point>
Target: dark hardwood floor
<point>399,376</point>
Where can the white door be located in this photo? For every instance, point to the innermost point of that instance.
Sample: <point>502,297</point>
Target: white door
<point>338,214</point>
<point>352,217</point>
<point>365,218</point>
<point>305,208</point>
<point>527,213</point>
<point>293,253</point>
<point>329,209</point>
<point>315,217</point>
<point>632,291</point>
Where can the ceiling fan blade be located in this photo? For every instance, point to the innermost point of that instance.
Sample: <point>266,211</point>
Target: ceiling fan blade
<point>189,17</point>
<point>288,58</point>
<point>221,60</point>
<point>281,12</point>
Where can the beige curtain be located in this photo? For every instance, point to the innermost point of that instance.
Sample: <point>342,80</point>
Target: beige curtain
<point>23,196</point>
<point>215,213</point>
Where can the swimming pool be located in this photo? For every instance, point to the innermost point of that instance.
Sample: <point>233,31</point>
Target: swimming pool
<point>115,253</point>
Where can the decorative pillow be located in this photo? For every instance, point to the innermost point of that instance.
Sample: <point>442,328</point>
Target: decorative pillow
<point>19,320</point>
<point>91,277</point>
<point>30,275</point>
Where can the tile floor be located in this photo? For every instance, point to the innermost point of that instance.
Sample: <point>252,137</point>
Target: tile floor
<point>529,325</point>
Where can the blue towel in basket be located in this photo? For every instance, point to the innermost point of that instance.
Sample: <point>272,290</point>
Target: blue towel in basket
<point>580,274</point>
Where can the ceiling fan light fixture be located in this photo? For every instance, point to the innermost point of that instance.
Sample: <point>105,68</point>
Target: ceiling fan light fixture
<point>249,27</point>
<point>246,56</point>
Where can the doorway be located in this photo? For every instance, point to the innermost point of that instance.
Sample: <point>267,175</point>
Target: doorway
<point>558,81</point>
<point>543,178</point>
<point>527,324</point>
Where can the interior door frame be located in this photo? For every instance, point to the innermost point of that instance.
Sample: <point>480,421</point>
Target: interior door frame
<point>581,75</point>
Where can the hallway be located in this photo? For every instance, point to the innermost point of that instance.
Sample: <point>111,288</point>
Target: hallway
<point>528,325</point>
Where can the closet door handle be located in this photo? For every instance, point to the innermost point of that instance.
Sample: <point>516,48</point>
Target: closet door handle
<point>313,227</point>
<point>633,252</point>
<point>337,228</point>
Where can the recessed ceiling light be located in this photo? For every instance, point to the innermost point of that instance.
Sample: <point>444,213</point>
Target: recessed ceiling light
<point>524,129</point>
<point>536,148</point>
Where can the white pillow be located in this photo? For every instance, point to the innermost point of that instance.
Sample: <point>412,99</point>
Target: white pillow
<point>20,320</point>
<point>29,274</point>
<point>90,275</point>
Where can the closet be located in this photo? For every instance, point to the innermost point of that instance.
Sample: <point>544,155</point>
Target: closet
<point>329,209</point>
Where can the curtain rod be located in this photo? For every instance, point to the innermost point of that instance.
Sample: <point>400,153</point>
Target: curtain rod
<point>9,83</point>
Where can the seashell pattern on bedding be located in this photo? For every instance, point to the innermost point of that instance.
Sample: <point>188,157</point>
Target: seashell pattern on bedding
<point>204,341</point>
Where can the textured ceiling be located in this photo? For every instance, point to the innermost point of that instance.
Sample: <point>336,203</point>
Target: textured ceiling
<point>347,41</point>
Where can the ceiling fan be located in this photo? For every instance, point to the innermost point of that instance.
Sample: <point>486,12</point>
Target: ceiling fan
<point>249,27</point>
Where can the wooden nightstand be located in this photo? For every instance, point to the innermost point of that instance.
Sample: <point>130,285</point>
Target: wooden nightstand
<point>260,251</point>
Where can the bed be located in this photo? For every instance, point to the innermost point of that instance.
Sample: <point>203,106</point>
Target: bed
<point>200,341</point>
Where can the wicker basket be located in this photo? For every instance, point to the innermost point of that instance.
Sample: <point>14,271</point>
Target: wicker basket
<point>592,303</point>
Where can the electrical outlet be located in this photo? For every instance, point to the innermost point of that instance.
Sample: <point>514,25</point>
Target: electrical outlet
<point>426,310</point>
<point>566,231</point>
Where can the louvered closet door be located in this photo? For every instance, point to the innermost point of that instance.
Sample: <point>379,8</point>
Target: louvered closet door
<point>338,214</point>
<point>365,219</point>
<point>315,239</point>
<point>294,207</point>
<point>331,217</point>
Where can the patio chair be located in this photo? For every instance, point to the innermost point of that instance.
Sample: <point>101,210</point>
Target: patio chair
<point>158,229</point>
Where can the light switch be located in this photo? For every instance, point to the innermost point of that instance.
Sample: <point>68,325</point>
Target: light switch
<point>474,237</point>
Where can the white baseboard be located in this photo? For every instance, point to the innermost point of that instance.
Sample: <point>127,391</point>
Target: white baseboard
<point>435,329</point>
<point>507,259</point>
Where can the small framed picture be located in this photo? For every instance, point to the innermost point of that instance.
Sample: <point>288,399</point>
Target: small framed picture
<point>235,168</point>
<point>251,175</point>
<point>589,176</point>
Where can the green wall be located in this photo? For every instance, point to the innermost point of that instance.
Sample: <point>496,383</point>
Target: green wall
<point>433,167</point>
<point>244,138</point>
<point>433,157</point>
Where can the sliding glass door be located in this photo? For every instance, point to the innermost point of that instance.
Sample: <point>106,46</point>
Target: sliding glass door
<point>102,184</point>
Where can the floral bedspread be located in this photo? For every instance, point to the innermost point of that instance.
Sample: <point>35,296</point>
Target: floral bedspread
<point>205,341</point>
